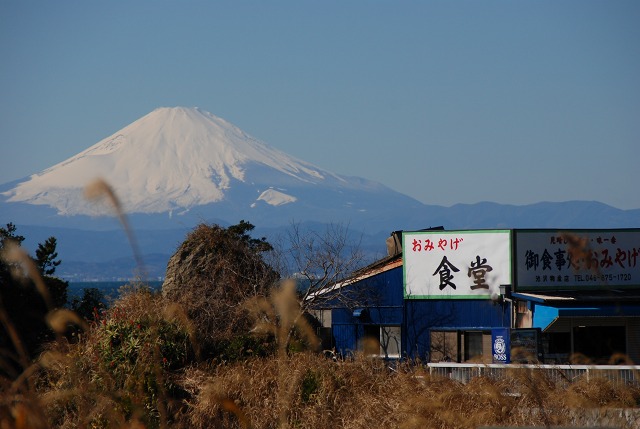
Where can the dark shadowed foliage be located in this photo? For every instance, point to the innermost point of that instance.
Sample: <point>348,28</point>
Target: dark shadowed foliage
<point>22,306</point>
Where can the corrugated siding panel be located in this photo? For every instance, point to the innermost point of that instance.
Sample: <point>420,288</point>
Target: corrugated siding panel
<point>383,316</point>
<point>345,338</point>
<point>633,340</point>
<point>372,315</point>
<point>453,313</point>
<point>424,315</point>
<point>382,299</point>
<point>341,316</point>
<point>385,289</point>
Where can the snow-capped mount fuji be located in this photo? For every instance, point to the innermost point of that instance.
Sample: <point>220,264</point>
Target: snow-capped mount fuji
<point>179,161</point>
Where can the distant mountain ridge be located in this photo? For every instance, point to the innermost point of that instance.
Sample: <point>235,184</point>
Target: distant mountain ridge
<point>177,167</point>
<point>106,254</point>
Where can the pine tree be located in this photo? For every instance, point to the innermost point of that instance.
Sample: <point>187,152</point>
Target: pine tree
<point>22,306</point>
<point>46,255</point>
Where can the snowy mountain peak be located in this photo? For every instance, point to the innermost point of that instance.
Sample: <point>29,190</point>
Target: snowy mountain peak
<point>172,158</point>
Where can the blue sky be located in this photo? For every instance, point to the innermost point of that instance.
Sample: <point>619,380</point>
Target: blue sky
<point>449,102</point>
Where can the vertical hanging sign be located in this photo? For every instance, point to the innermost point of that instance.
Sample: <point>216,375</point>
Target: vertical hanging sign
<point>500,345</point>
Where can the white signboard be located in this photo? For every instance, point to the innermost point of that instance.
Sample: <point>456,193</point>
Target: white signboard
<point>577,259</point>
<point>455,264</point>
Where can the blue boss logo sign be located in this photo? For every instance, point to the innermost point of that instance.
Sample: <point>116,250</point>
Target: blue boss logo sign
<point>500,345</point>
<point>500,348</point>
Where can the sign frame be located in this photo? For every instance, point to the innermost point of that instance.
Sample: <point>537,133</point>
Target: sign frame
<point>576,259</point>
<point>433,258</point>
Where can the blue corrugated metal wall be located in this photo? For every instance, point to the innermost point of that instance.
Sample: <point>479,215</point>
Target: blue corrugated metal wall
<point>382,297</point>
<point>385,305</point>
<point>423,315</point>
<point>344,336</point>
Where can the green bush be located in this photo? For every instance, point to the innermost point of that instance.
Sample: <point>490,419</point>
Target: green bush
<point>126,342</point>
<point>310,385</point>
<point>243,347</point>
<point>139,352</point>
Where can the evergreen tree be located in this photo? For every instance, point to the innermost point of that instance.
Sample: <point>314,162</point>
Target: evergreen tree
<point>46,256</point>
<point>22,306</point>
<point>241,231</point>
<point>90,305</point>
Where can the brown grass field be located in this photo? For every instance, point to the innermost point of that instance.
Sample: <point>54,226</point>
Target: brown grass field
<point>137,368</point>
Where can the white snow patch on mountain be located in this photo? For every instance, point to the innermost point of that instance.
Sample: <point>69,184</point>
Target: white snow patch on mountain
<point>276,198</point>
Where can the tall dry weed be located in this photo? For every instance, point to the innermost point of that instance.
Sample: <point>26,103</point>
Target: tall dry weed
<point>99,190</point>
<point>319,393</point>
<point>20,403</point>
<point>121,371</point>
<point>62,374</point>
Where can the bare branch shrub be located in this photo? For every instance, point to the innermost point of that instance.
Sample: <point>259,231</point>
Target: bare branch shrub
<point>320,260</point>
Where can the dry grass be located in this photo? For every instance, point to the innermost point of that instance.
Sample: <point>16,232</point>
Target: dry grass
<point>364,393</point>
<point>117,374</point>
<point>318,393</point>
<point>72,385</point>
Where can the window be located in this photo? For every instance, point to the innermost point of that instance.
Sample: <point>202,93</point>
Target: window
<point>384,341</point>
<point>390,340</point>
<point>444,346</point>
<point>472,345</point>
<point>556,347</point>
<point>600,343</point>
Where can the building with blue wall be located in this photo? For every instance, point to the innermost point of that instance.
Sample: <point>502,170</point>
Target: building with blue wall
<point>438,297</point>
